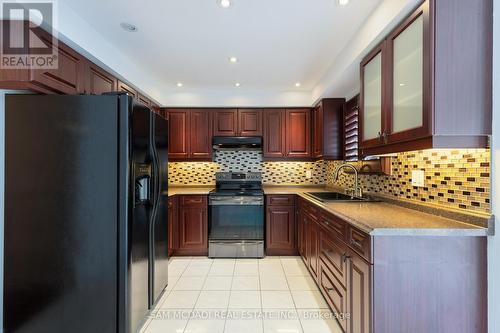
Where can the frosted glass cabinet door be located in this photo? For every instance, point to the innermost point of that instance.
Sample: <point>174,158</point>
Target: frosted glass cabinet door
<point>408,78</point>
<point>372,98</point>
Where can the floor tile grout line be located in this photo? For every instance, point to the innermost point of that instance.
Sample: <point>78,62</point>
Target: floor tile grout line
<point>293,300</point>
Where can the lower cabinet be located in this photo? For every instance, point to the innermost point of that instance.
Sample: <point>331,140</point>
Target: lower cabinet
<point>173,234</point>
<point>280,225</point>
<point>343,276</point>
<point>192,225</point>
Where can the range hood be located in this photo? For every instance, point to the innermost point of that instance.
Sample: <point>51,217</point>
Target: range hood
<point>237,143</point>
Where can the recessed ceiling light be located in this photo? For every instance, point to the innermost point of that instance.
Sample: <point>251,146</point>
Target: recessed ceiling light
<point>233,60</point>
<point>297,84</point>
<point>128,27</point>
<point>343,2</point>
<point>179,84</point>
<point>224,3</point>
<point>237,84</point>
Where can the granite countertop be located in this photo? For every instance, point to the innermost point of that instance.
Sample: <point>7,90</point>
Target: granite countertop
<point>385,218</point>
<point>376,218</point>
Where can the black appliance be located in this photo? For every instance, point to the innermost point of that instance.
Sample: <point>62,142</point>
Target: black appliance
<point>85,213</point>
<point>237,143</point>
<point>236,219</point>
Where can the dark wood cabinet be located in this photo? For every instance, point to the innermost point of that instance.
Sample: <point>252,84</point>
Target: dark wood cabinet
<point>327,129</point>
<point>274,133</point>
<point>193,225</point>
<point>280,225</point>
<point>359,294</point>
<point>190,135</point>
<point>298,133</point>
<point>98,81</point>
<point>173,235</point>
<point>250,122</point>
<point>68,77</point>
<point>143,99</point>
<point>237,122</point>
<point>225,122</point>
<point>336,295</point>
<point>200,135</point>
<point>416,92</point>
<point>122,86</point>
<point>178,134</point>
<point>312,246</point>
<point>287,133</point>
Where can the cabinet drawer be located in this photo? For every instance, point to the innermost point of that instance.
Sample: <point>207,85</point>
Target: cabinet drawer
<point>333,253</point>
<point>335,294</point>
<point>360,242</point>
<point>309,208</point>
<point>335,225</point>
<point>193,200</point>
<point>281,200</point>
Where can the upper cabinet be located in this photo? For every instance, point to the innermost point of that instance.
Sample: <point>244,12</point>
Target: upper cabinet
<point>122,86</point>
<point>428,84</point>
<point>225,122</point>
<point>327,129</point>
<point>250,122</point>
<point>190,136</point>
<point>237,122</point>
<point>287,133</point>
<point>97,81</point>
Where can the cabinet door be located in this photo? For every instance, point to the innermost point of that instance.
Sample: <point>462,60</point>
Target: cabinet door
<point>317,150</point>
<point>200,134</point>
<point>280,230</point>
<point>193,231</point>
<point>144,100</point>
<point>409,111</point>
<point>372,98</point>
<point>250,122</point>
<point>225,122</point>
<point>274,133</point>
<point>178,133</point>
<point>122,86</point>
<point>301,234</point>
<point>312,247</point>
<point>97,81</point>
<point>69,77</point>
<point>298,133</point>
<point>359,290</point>
<point>172,225</point>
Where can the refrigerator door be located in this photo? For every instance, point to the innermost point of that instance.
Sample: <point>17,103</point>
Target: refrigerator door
<point>141,206</point>
<point>159,220</point>
<point>60,214</point>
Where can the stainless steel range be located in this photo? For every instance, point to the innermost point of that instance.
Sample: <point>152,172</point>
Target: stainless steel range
<point>236,216</point>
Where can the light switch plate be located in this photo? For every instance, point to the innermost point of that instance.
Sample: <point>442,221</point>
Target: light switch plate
<point>417,178</point>
<point>309,174</point>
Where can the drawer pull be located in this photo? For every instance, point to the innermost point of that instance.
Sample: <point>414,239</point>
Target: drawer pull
<point>345,257</point>
<point>356,243</point>
<point>327,223</point>
<point>329,289</point>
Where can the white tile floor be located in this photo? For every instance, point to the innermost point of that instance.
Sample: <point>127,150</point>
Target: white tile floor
<point>270,295</point>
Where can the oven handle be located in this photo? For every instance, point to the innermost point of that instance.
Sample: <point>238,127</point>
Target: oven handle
<point>232,243</point>
<point>215,201</point>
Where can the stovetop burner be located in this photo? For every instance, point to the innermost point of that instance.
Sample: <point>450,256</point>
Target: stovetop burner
<point>238,184</point>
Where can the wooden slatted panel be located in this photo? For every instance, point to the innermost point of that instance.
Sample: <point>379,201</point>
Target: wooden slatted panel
<point>351,130</point>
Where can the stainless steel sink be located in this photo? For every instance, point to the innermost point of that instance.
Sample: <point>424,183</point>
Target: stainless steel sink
<point>338,197</point>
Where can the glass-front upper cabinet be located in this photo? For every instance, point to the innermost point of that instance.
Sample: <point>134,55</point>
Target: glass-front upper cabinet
<point>407,65</point>
<point>372,97</point>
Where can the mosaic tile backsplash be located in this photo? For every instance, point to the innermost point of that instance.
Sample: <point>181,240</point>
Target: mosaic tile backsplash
<point>456,179</point>
<point>273,173</point>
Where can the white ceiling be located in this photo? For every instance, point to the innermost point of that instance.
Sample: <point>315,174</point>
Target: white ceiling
<point>277,42</point>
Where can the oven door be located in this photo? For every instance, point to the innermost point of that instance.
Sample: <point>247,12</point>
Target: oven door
<point>236,218</point>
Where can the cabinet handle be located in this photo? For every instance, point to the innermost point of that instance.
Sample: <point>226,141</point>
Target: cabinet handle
<point>327,223</point>
<point>356,243</point>
<point>345,257</point>
<point>329,289</point>
<point>384,136</point>
<point>379,136</point>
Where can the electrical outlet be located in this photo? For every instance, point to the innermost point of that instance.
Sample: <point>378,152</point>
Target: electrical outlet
<point>309,174</point>
<point>417,178</point>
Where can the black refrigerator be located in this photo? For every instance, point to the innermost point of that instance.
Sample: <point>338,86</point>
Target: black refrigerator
<point>86,246</point>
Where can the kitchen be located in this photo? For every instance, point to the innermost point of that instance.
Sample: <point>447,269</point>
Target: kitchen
<point>361,203</point>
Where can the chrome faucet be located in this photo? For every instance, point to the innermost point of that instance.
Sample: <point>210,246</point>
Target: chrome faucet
<point>356,191</point>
